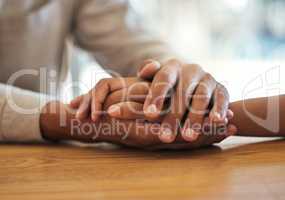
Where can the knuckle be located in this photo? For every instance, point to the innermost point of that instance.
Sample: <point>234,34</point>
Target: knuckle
<point>207,77</point>
<point>189,88</point>
<point>174,61</point>
<point>102,82</point>
<point>219,107</point>
<point>165,79</point>
<point>192,67</point>
<point>205,98</point>
<point>143,85</point>
<point>141,88</point>
<point>163,75</point>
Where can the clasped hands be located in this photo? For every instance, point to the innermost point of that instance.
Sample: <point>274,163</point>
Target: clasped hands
<point>175,106</point>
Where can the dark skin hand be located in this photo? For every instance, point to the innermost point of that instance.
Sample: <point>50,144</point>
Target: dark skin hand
<point>127,133</point>
<point>132,108</point>
<point>187,83</point>
<point>137,134</point>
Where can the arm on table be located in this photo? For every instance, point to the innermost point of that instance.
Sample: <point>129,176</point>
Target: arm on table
<point>261,117</point>
<point>19,114</point>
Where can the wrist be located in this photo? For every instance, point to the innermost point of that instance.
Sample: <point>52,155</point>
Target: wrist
<point>48,121</point>
<point>58,123</point>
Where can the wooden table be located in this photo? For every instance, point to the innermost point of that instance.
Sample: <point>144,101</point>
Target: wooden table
<point>238,169</point>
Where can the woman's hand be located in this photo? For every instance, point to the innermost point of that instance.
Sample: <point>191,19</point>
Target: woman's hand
<point>58,123</point>
<point>189,88</point>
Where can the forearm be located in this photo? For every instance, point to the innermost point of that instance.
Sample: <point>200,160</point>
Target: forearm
<point>19,114</point>
<point>262,117</point>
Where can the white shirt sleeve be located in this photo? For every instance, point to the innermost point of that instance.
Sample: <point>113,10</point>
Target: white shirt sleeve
<point>19,114</point>
<point>118,43</point>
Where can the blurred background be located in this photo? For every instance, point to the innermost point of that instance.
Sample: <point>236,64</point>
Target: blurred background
<point>241,42</point>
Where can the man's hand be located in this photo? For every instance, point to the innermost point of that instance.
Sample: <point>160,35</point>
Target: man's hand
<point>91,105</point>
<point>189,88</point>
<point>210,132</point>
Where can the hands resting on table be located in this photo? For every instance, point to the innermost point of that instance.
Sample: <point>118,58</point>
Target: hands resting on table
<point>169,105</point>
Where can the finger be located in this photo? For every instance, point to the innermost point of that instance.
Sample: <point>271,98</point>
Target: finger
<point>103,89</point>
<point>214,129</point>
<point>171,125</point>
<point>127,111</point>
<point>136,93</point>
<point>230,116</point>
<point>164,81</point>
<point>145,135</point>
<point>179,103</point>
<point>209,135</point>
<point>149,69</point>
<point>199,108</point>
<point>84,108</point>
<point>75,103</point>
<point>232,130</point>
<point>221,104</point>
<point>171,122</point>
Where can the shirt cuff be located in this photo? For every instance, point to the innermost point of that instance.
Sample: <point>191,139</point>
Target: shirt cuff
<point>20,110</point>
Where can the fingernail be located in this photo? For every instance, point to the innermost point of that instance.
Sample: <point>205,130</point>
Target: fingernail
<point>166,136</point>
<point>226,121</point>
<point>190,135</point>
<point>114,110</point>
<point>152,110</point>
<point>78,115</point>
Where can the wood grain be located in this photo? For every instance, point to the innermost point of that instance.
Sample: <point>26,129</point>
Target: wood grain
<point>238,169</point>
